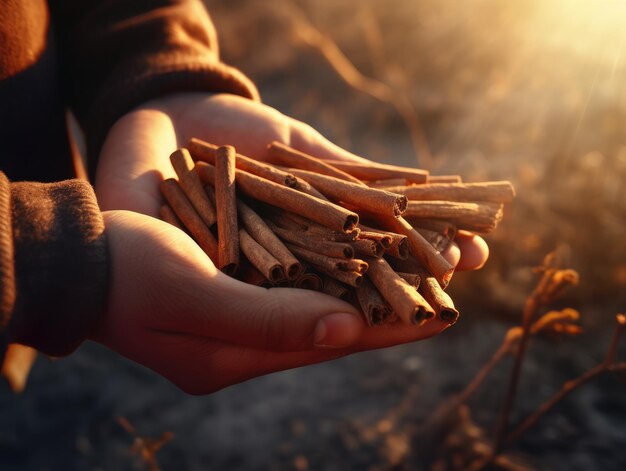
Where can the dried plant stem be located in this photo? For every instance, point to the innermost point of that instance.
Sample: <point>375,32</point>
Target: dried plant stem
<point>530,310</point>
<point>608,364</point>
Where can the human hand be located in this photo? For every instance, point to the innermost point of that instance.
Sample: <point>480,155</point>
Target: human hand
<point>171,310</point>
<point>135,155</point>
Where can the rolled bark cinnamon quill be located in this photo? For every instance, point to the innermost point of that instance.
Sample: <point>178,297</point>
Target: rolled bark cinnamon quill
<point>333,288</point>
<point>260,258</point>
<point>351,278</point>
<point>476,217</point>
<point>423,251</point>
<point>388,183</point>
<point>323,212</point>
<point>309,281</point>
<point>368,248</point>
<point>444,179</point>
<point>206,152</point>
<point>185,211</point>
<point>494,192</point>
<point>167,214</point>
<point>370,199</point>
<point>263,234</point>
<point>315,244</point>
<point>282,154</point>
<point>399,243</point>
<point>374,308</point>
<point>438,299</point>
<point>406,302</point>
<point>377,171</point>
<point>226,205</point>
<point>190,182</point>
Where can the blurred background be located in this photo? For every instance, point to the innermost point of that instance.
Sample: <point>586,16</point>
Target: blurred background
<point>532,91</point>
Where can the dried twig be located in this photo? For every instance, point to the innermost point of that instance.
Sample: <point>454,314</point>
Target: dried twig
<point>608,364</point>
<point>551,285</point>
<point>145,447</point>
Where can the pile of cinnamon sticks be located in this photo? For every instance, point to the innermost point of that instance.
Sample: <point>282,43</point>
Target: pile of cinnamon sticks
<point>370,234</point>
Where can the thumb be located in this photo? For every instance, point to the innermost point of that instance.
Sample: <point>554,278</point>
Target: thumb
<point>277,319</point>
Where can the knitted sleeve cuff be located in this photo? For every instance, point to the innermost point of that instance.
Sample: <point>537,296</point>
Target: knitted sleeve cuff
<point>61,265</point>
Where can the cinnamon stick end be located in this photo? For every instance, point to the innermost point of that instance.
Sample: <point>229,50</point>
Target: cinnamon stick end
<point>422,315</point>
<point>449,315</point>
<point>351,222</point>
<point>276,274</point>
<point>294,271</point>
<point>402,202</point>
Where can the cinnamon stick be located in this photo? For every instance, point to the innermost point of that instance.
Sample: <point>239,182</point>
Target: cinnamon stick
<point>423,251</point>
<point>226,204</point>
<point>413,279</point>
<point>167,214</point>
<point>338,290</point>
<point>444,179</point>
<point>406,302</point>
<point>185,211</point>
<point>313,243</point>
<point>388,183</point>
<point>380,237</point>
<point>206,152</point>
<point>329,263</point>
<point>282,154</point>
<point>494,192</point>
<point>261,232</point>
<point>305,187</point>
<point>370,199</point>
<point>378,171</point>
<point>349,278</point>
<point>190,182</point>
<point>374,308</point>
<point>308,281</point>
<point>260,258</point>
<point>476,217</point>
<point>438,299</point>
<point>367,247</point>
<point>323,212</point>
<point>294,221</point>
<point>399,245</point>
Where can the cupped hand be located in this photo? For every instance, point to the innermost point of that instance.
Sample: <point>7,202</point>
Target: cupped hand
<point>171,310</point>
<point>135,155</point>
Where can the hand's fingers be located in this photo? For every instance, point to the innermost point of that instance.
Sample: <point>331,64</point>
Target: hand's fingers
<point>306,139</point>
<point>452,254</point>
<point>220,364</point>
<point>279,319</point>
<point>474,251</point>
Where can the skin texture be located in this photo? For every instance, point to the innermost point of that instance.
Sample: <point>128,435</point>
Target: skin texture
<point>169,308</point>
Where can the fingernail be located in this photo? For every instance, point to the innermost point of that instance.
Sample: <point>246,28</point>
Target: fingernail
<point>337,330</point>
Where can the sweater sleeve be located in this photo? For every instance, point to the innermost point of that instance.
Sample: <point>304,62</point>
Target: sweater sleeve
<point>116,54</point>
<point>53,264</point>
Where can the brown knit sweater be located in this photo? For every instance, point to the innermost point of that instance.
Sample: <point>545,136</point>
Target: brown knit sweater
<point>99,58</point>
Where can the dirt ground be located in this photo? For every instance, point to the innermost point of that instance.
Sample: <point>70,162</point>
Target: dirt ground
<point>530,91</point>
